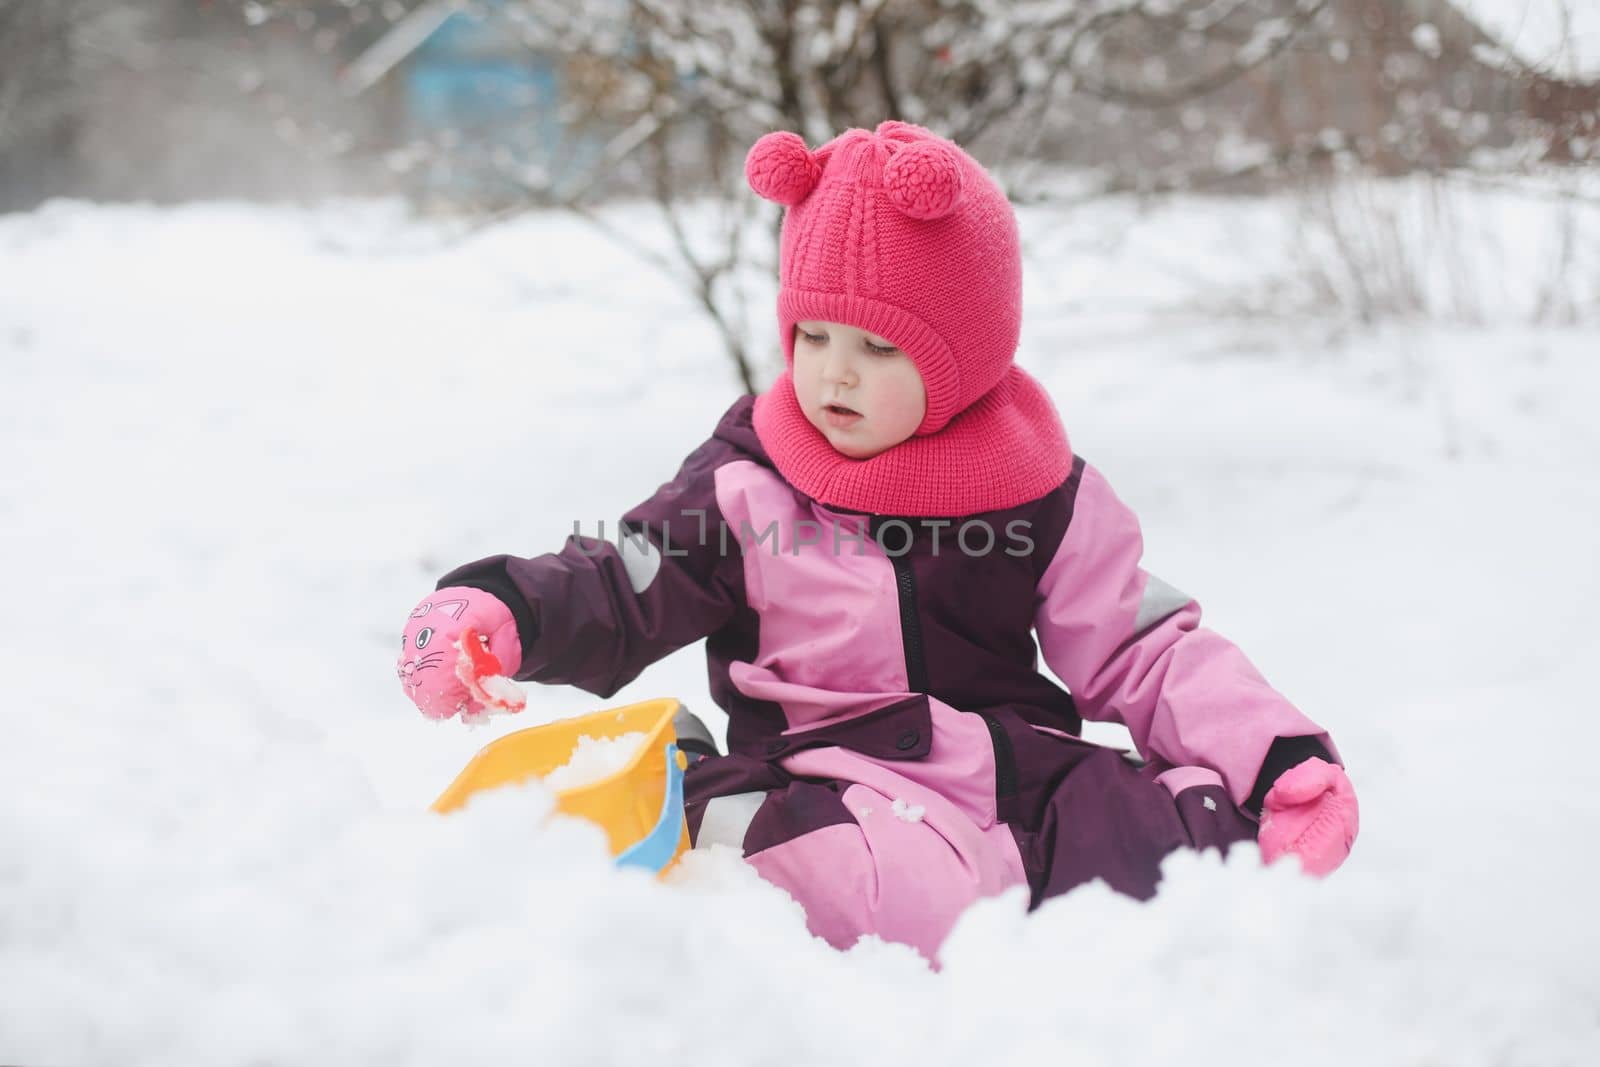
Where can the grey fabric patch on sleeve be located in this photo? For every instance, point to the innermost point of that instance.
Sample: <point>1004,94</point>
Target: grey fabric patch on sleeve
<point>1159,601</point>
<point>640,558</point>
<point>727,819</point>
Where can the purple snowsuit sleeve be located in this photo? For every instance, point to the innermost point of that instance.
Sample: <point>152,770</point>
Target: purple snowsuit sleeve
<point>598,612</point>
<point>1131,650</point>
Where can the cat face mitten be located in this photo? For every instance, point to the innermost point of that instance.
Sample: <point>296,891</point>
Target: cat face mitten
<point>444,676</point>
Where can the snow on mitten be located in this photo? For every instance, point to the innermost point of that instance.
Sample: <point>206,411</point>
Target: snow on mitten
<point>1310,811</point>
<point>444,675</point>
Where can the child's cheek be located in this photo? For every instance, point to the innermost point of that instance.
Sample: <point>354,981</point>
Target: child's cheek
<point>805,384</point>
<point>908,401</point>
<point>903,405</point>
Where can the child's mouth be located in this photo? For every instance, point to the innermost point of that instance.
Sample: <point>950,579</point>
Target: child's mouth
<point>839,415</point>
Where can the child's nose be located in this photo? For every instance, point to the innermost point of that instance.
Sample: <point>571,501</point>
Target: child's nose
<point>837,367</point>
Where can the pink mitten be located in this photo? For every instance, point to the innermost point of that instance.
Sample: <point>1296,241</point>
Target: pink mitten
<point>440,676</point>
<point>1310,811</point>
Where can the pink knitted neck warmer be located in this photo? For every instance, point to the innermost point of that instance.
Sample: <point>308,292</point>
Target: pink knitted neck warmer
<point>1006,449</point>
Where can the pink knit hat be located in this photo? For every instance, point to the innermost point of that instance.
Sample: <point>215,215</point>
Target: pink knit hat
<point>900,233</point>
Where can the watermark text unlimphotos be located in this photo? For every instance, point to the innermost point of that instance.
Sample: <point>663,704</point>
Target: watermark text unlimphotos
<point>893,537</point>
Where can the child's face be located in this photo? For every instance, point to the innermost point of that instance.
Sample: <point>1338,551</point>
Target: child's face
<point>861,392</point>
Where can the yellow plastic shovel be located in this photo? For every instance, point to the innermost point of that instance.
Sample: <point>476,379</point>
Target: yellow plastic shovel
<point>640,807</point>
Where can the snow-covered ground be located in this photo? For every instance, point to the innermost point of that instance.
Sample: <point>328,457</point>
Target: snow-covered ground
<point>241,442</point>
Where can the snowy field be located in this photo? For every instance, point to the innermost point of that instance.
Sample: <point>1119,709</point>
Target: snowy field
<point>241,442</point>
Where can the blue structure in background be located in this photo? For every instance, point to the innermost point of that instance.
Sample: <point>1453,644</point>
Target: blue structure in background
<point>472,86</point>
<point>470,75</point>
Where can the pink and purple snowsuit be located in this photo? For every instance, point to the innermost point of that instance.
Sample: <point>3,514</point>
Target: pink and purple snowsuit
<point>894,752</point>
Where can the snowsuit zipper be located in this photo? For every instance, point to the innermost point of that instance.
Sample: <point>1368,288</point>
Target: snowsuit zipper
<point>910,625</point>
<point>1005,756</point>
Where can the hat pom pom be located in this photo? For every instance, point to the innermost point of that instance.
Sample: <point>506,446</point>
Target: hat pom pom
<point>923,180</point>
<point>781,168</point>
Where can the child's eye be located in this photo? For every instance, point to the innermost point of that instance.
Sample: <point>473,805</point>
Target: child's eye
<point>813,338</point>
<point>882,350</point>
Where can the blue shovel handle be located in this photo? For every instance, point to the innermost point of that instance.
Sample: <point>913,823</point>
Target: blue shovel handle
<point>656,849</point>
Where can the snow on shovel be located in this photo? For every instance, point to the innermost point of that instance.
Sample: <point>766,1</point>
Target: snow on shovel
<point>479,670</point>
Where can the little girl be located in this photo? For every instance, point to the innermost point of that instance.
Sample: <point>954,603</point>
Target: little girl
<point>869,548</point>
